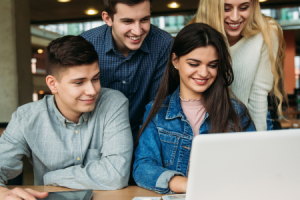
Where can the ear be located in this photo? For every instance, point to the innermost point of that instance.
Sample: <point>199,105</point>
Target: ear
<point>106,18</point>
<point>174,59</point>
<point>52,83</point>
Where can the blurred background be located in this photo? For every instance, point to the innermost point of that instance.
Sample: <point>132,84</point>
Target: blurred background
<point>27,27</point>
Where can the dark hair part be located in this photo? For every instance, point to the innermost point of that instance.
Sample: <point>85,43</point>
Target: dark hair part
<point>110,5</point>
<point>69,51</point>
<point>216,99</point>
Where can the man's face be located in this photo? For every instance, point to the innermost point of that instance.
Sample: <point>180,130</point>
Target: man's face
<point>77,90</point>
<point>130,26</point>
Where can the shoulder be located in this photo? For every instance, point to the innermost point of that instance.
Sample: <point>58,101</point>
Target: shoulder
<point>94,33</point>
<point>159,37</point>
<point>110,97</point>
<point>34,108</point>
<point>165,105</point>
<point>239,108</point>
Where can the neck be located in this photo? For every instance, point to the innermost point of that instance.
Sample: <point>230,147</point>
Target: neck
<point>121,48</point>
<point>232,40</point>
<point>69,115</point>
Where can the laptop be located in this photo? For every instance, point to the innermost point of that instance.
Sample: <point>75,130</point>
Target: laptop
<point>245,166</point>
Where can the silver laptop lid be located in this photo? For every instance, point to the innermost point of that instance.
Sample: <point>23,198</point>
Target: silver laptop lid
<point>245,166</point>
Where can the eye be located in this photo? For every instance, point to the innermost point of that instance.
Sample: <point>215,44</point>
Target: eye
<point>145,20</point>
<point>96,79</point>
<point>226,9</point>
<point>78,83</point>
<point>213,66</point>
<point>194,64</point>
<point>244,7</point>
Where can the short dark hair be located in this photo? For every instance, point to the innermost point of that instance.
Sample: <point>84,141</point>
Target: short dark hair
<point>110,5</point>
<point>69,51</point>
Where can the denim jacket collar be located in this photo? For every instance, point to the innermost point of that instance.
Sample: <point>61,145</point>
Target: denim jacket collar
<point>174,109</point>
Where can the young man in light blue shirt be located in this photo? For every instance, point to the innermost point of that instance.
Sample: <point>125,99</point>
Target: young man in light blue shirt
<point>79,137</point>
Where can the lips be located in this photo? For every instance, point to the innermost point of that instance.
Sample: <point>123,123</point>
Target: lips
<point>200,81</point>
<point>88,101</point>
<point>234,26</point>
<point>135,39</point>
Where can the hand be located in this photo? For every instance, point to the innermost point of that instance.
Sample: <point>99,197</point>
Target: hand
<point>178,184</point>
<point>20,194</point>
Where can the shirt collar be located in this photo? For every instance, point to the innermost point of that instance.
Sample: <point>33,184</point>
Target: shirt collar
<point>174,109</point>
<point>62,119</point>
<point>109,43</point>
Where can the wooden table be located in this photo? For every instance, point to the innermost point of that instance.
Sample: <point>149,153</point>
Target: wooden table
<point>127,193</point>
<point>291,123</point>
<point>1,130</point>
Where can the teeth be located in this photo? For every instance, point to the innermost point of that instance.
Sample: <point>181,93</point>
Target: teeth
<point>135,38</point>
<point>234,25</point>
<point>201,81</point>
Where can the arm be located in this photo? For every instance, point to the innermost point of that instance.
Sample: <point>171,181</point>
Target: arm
<point>148,169</point>
<point>160,69</point>
<point>13,148</point>
<point>112,170</point>
<point>262,85</point>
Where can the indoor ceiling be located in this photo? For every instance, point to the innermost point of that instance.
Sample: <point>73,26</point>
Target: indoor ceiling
<point>52,11</point>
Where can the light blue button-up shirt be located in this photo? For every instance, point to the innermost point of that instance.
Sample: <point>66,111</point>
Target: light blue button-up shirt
<point>93,154</point>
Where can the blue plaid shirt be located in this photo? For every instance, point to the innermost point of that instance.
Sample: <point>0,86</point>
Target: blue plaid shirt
<point>139,74</point>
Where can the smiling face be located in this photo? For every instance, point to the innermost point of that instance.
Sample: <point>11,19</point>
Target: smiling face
<point>130,25</point>
<point>236,16</point>
<point>197,70</point>
<point>76,90</point>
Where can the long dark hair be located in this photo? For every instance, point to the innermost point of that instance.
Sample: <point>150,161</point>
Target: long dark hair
<point>216,99</point>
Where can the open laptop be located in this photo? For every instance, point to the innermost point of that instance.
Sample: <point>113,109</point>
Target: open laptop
<point>245,166</point>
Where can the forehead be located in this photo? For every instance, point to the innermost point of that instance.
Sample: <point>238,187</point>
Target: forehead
<point>135,11</point>
<point>236,2</point>
<point>204,54</point>
<point>82,71</point>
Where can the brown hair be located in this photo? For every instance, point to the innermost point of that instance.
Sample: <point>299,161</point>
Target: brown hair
<point>69,51</point>
<point>216,98</point>
<point>110,5</point>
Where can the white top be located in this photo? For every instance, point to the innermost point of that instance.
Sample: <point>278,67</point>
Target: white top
<point>253,78</point>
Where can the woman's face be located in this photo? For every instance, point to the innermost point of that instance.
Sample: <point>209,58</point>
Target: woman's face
<point>236,16</point>
<point>197,70</point>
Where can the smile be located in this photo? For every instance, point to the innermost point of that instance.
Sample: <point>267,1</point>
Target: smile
<point>88,101</point>
<point>200,81</point>
<point>234,25</point>
<point>135,38</point>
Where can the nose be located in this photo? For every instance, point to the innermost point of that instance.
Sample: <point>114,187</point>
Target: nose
<point>90,89</point>
<point>203,71</point>
<point>235,15</point>
<point>137,29</point>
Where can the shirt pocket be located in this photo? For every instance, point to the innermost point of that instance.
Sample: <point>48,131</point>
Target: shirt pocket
<point>92,155</point>
<point>169,145</point>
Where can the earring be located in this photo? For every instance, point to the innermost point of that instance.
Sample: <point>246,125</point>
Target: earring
<point>175,67</point>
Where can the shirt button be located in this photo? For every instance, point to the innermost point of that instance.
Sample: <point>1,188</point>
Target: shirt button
<point>86,119</point>
<point>64,124</point>
<point>76,131</point>
<point>78,158</point>
<point>124,82</point>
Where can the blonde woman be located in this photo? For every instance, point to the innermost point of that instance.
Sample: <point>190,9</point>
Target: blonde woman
<point>257,49</point>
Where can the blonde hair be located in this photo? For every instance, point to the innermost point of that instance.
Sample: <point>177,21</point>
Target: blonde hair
<point>211,12</point>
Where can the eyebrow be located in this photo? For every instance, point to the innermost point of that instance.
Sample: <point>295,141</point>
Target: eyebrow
<point>192,59</point>
<point>242,4</point>
<point>77,79</point>
<point>128,19</point>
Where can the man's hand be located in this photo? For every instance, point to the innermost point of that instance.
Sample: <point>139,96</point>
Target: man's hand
<point>20,194</point>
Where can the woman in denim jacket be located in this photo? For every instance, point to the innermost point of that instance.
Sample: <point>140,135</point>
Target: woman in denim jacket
<point>198,72</point>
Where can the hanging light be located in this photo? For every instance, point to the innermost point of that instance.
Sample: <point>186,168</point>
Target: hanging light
<point>63,1</point>
<point>173,5</point>
<point>91,11</point>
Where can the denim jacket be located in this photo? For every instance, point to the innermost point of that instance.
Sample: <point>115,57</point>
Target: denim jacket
<point>165,145</point>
